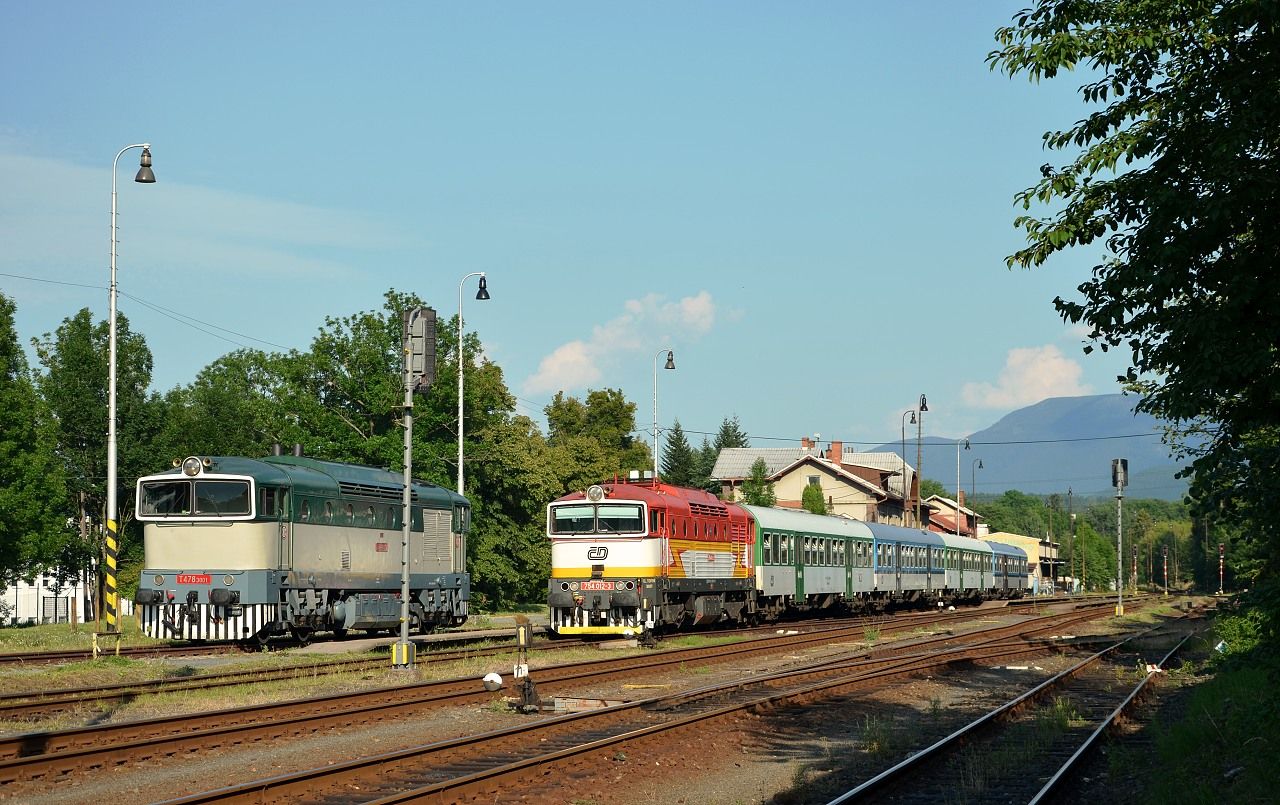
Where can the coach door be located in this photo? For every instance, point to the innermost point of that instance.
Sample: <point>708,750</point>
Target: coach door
<point>895,551</point>
<point>275,503</point>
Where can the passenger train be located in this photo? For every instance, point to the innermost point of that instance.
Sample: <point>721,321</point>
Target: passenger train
<point>243,549</point>
<point>637,556</point>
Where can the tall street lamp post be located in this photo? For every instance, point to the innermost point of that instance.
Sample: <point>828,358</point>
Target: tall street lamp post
<point>145,176</point>
<point>906,484</point>
<point>959,492</point>
<point>974,466</point>
<point>924,406</point>
<point>482,295</point>
<point>671,364</point>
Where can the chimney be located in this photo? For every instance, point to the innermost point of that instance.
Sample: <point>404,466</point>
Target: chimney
<point>961,500</point>
<point>806,442</point>
<point>836,452</point>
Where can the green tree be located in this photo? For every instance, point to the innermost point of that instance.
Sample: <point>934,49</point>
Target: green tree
<point>231,409</point>
<point>705,462</point>
<point>597,432</point>
<point>757,490</point>
<point>930,487</point>
<point>73,385</point>
<point>1175,172</point>
<point>811,500</point>
<point>32,493</point>
<point>731,435</point>
<point>679,464</point>
<point>1098,555</point>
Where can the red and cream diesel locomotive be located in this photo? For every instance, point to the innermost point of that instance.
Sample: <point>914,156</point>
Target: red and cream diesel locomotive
<point>640,555</point>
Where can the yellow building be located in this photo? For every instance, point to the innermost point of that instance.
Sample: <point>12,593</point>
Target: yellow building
<point>1042,555</point>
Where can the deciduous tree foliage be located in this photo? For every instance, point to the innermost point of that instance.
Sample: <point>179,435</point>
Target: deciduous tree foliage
<point>73,385</point>
<point>1176,173</point>
<point>32,523</point>
<point>597,433</point>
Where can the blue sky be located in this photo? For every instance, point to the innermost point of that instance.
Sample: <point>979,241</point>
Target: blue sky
<point>809,203</point>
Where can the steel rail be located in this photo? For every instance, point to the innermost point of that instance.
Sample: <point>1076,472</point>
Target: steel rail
<point>54,755</point>
<point>1060,775</point>
<point>436,756</point>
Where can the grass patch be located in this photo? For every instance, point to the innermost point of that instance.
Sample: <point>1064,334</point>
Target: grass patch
<point>1230,726</point>
<point>876,737</point>
<point>65,637</point>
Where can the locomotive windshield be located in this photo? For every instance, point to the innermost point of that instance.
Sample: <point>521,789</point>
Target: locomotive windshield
<point>598,518</point>
<point>186,498</point>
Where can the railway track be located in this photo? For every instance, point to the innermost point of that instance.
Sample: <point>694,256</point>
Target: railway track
<point>44,758</point>
<point>12,659</point>
<point>34,705</point>
<point>561,747</point>
<point>1025,750</point>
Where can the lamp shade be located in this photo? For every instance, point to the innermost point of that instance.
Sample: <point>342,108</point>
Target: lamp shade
<point>145,176</point>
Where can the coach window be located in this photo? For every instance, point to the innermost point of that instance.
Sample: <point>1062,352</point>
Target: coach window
<point>268,508</point>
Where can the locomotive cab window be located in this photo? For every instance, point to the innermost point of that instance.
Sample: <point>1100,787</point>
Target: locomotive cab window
<point>601,518</point>
<point>186,498</point>
<point>165,498</point>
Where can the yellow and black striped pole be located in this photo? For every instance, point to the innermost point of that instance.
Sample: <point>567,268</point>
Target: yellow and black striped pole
<point>110,597</point>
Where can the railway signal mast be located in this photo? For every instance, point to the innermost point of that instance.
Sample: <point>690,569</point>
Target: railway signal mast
<point>419,374</point>
<point>1119,479</point>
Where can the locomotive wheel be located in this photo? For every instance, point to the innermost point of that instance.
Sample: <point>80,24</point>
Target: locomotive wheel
<point>339,632</point>
<point>256,642</point>
<point>302,635</point>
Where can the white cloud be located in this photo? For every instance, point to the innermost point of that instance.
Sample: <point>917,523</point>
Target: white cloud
<point>650,322</point>
<point>571,366</point>
<point>1030,374</point>
<point>55,221</point>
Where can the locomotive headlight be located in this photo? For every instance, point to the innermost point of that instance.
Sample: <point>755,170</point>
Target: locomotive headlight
<point>619,585</point>
<point>147,597</point>
<point>573,585</point>
<point>191,466</point>
<point>564,585</point>
<point>228,580</point>
<point>159,580</point>
<point>224,597</point>
<point>595,493</point>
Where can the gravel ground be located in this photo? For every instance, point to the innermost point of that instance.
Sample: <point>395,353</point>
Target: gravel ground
<point>789,755</point>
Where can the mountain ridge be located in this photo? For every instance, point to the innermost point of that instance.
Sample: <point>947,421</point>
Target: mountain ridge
<point>1056,445</point>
